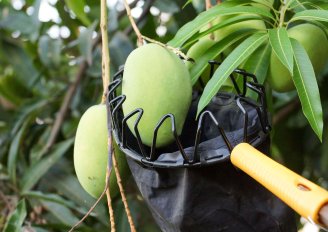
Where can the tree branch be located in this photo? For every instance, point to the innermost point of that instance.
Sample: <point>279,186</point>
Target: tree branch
<point>143,15</point>
<point>284,112</point>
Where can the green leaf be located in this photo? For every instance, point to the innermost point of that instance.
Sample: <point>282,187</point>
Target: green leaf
<point>191,28</point>
<point>85,42</point>
<point>307,88</point>
<point>16,219</point>
<point>49,197</point>
<point>258,63</point>
<point>78,9</point>
<point>310,15</point>
<point>21,62</point>
<point>49,51</point>
<point>36,171</point>
<point>282,47</point>
<point>236,57</point>
<point>14,150</point>
<point>62,213</point>
<point>224,23</point>
<point>201,63</point>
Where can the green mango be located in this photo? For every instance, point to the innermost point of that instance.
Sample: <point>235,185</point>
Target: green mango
<point>196,52</point>
<point>314,41</point>
<point>156,80</point>
<point>91,153</point>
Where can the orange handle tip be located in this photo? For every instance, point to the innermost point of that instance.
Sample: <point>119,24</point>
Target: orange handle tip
<point>305,197</point>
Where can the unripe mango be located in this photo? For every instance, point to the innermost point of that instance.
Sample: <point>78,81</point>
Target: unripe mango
<point>314,41</point>
<point>196,51</point>
<point>91,152</point>
<point>157,81</point>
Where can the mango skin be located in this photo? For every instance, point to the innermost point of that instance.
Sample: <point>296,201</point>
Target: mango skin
<point>157,81</point>
<point>196,51</point>
<point>91,152</point>
<point>314,41</point>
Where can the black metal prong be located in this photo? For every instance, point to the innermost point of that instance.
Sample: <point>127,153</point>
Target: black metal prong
<point>120,99</point>
<point>223,134</point>
<point>138,111</point>
<point>175,134</point>
<point>113,86</point>
<point>241,107</point>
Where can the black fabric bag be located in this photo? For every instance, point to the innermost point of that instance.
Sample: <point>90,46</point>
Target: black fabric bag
<point>212,195</point>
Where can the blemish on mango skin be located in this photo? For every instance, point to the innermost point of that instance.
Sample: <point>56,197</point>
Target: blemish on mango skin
<point>156,80</point>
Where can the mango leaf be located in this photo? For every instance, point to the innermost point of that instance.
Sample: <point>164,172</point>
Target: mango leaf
<point>14,150</point>
<point>282,47</point>
<point>310,15</point>
<point>62,213</point>
<point>220,25</point>
<point>201,63</point>
<point>37,170</point>
<point>236,57</point>
<point>49,197</point>
<point>49,51</point>
<point>204,18</point>
<point>258,63</point>
<point>78,9</point>
<point>16,219</point>
<point>22,64</point>
<point>307,88</point>
<point>85,42</point>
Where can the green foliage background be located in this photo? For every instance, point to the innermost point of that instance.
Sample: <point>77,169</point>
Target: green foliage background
<point>41,73</point>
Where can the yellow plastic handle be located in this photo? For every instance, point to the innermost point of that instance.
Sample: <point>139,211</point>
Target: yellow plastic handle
<point>305,197</point>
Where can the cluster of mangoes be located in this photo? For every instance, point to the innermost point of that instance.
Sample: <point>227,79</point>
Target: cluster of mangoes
<point>158,81</point>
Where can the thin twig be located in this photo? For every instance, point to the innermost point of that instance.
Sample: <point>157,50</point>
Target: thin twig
<point>105,79</point>
<point>133,24</point>
<point>125,202</point>
<point>286,111</point>
<point>105,51</point>
<point>208,5</point>
<point>91,209</point>
<point>175,50</point>
<point>146,8</point>
<point>109,199</point>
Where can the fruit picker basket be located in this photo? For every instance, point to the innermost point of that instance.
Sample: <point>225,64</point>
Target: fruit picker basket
<point>191,185</point>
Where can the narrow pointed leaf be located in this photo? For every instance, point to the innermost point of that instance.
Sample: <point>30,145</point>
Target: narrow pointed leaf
<point>307,88</point>
<point>16,219</point>
<point>310,15</point>
<point>36,171</point>
<point>258,63</point>
<point>237,56</point>
<point>201,63</point>
<point>204,18</point>
<point>282,47</point>
<point>223,24</point>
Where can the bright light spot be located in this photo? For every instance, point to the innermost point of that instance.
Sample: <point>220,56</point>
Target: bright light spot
<point>136,12</point>
<point>94,35</point>
<point>161,30</point>
<point>48,12</point>
<point>72,63</point>
<point>52,2</point>
<point>82,28</point>
<point>30,10</point>
<point>154,11</point>
<point>165,17</point>
<point>308,227</point>
<point>64,32</point>
<point>54,31</point>
<point>15,34</point>
<point>86,9</point>
<point>18,4</point>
